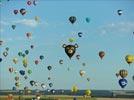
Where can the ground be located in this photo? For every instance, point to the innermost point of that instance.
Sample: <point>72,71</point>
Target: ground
<point>60,97</point>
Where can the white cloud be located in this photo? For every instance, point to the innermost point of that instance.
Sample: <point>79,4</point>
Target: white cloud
<point>27,22</point>
<point>121,28</point>
<point>3,23</point>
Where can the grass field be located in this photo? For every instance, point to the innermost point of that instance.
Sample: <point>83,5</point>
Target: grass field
<point>57,97</point>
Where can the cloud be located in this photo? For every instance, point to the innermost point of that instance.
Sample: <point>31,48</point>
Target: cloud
<point>27,22</point>
<point>3,23</point>
<point>117,28</point>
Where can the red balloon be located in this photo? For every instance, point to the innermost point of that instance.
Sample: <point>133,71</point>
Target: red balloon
<point>101,54</point>
<point>36,62</point>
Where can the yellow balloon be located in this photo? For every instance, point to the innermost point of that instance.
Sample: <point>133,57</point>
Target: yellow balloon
<point>129,59</point>
<point>25,62</point>
<point>15,60</point>
<point>88,92</point>
<point>74,89</point>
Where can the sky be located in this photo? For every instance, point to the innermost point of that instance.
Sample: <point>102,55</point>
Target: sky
<point>106,31</point>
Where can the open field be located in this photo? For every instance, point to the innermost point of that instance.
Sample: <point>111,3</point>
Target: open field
<point>61,97</point>
<point>48,97</point>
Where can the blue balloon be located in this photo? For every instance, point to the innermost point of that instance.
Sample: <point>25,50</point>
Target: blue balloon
<point>123,82</point>
<point>0,59</point>
<point>14,89</point>
<point>22,72</point>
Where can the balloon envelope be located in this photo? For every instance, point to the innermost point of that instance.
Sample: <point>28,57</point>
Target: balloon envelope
<point>22,11</point>
<point>22,72</point>
<point>123,82</point>
<point>87,20</point>
<point>72,19</point>
<point>13,27</point>
<point>129,59</point>
<point>101,54</point>
<point>123,73</point>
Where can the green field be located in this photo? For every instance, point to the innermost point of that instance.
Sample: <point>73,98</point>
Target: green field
<point>48,97</point>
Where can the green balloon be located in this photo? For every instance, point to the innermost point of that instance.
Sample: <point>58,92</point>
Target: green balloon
<point>29,71</point>
<point>26,52</point>
<point>20,54</point>
<point>71,39</point>
<point>23,55</point>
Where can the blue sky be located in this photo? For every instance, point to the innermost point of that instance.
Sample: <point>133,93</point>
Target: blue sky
<point>106,31</point>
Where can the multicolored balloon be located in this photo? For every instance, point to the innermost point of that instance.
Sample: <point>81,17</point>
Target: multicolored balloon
<point>123,82</point>
<point>70,49</point>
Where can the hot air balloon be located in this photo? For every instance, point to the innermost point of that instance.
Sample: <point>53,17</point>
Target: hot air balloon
<point>72,19</point>
<point>29,71</point>
<point>43,85</point>
<point>28,34</point>
<point>16,78</point>
<point>70,49</point>
<point>1,42</point>
<point>25,88</point>
<point>78,57</point>
<point>123,73</point>
<point>37,19</point>
<point>119,12</point>
<point>133,77</point>
<point>15,12</point>
<point>15,71</point>
<point>74,89</point>
<point>87,19</point>
<point>13,27</point>
<point>7,48</point>
<point>36,62</point>
<point>11,69</point>
<point>32,83</point>
<point>71,40</point>
<point>82,73</point>
<point>22,72</point>
<point>49,78</point>
<point>88,79</point>
<point>32,46</point>
<point>25,77</point>
<point>26,52</point>
<point>14,88</point>
<point>88,92</point>
<point>34,2</point>
<point>0,59</point>
<point>101,54</point>
<point>25,62</point>
<point>52,91</point>
<point>80,34</point>
<point>5,53</point>
<point>50,85</point>
<point>83,64</point>
<point>15,60</point>
<point>23,11</point>
<point>20,53</point>
<point>123,83</point>
<point>29,2</point>
<point>60,61</point>
<point>17,84</point>
<point>41,57</point>
<point>23,55</point>
<point>129,59</point>
<point>49,68</point>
